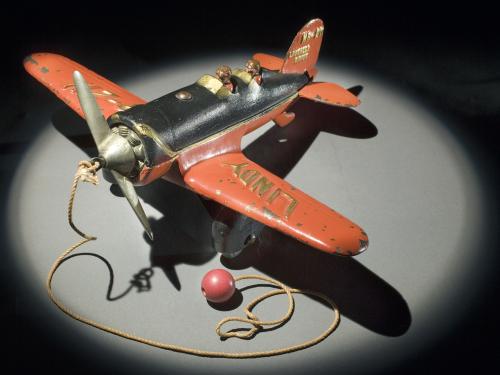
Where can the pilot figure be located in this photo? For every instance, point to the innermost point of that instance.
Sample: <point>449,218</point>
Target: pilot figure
<point>253,68</point>
<point>224,73</point>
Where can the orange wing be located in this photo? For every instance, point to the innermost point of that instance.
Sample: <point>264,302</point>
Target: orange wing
<point>329,93</point>
<point>56,73</point>
<point>238,183</point>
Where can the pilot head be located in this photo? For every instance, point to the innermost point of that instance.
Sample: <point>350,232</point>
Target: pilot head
<point>253,67</point>
<point>223,72</point>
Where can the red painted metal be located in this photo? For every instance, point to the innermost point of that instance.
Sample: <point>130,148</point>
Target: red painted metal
<point>283,119</point>
<point>238,183</point>
<point>268,61</point>
<point>304,50</point>
<point>329,93</point>
<point>215,167</point>
<point>56,73</point>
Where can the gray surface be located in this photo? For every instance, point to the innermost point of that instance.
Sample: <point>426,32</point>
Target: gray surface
<point>412,188</point>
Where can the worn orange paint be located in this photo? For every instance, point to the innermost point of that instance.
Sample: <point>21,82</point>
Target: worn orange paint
<point>215,167</point>
<point>329,93</point>
<point>149,174</point>
<point>229,142</point>
<point>285,118</point>
<point>242,185</point>
<point>268,61</point>
<point>56,73</point>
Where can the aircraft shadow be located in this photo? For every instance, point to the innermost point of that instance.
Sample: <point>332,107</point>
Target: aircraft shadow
<point>361,295</point>
<point>183,234</point>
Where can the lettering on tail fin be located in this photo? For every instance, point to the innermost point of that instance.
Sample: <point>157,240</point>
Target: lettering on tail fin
<point>304,50</point>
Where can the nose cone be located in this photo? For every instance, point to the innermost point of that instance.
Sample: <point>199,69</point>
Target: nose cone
<point>118,154</point>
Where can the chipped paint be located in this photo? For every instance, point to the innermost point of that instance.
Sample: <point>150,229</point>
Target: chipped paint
<point>363,245</point>
<point>30,59</point>
<point>315,224</point>
<point>272,194</point>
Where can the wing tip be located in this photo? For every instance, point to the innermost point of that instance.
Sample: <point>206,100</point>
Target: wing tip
<point>40,62</point>
<point>351,245</point>
<point>30,62</point>
<point>363,246</point>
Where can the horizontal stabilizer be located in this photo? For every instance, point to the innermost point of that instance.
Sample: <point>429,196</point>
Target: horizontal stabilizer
<point>329,93</point>
<point>268,61</point>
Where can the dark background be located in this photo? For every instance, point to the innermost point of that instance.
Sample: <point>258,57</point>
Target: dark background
<point>447,56</point>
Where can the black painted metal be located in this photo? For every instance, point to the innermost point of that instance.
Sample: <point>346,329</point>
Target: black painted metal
<point>182,123</point>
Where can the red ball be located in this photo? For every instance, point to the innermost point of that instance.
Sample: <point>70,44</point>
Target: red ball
<point>217,286</point>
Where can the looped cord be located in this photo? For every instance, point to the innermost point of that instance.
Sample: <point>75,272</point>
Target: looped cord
<point>86,172</point>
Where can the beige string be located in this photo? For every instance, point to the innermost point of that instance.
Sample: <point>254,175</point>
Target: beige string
<point>87,172</point>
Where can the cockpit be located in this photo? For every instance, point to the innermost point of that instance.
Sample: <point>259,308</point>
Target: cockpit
<point>224,83</point>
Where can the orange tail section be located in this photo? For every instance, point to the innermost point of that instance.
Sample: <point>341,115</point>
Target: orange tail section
<point>329,93</point>
<point>304,51</point>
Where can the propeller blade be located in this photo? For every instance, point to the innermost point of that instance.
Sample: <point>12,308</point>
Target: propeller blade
<point>97,124</point>
<point>101,133</point>
<point>129,191</point>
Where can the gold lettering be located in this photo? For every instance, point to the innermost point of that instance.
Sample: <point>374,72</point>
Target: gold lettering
<point>299,51</point>
<point>248,176</point>
<point>307,35</point>
<point>291,206</point>
<point>263,185</point>
<point>319,31</point>
<point>304,38</point>
<point>300,58</point>
<point>274,195</point>
<point>299,54</point>
<point>98,91</point>
<point>237,168</point>
<point>292,201</point>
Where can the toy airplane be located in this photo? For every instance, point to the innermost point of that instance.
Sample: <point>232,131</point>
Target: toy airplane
<point>197,131</point>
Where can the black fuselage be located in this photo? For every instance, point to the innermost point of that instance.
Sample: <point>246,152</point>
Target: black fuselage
<point>182,123</point>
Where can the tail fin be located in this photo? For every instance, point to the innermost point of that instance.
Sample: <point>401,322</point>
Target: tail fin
<point>304,51</point>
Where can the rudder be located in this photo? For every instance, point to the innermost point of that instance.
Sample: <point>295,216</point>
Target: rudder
<point>304,50</point>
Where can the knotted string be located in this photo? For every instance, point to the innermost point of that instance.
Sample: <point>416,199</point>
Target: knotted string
<point>87,172</point>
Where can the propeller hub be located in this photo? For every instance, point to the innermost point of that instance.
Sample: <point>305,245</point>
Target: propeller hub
<point>118,154</point>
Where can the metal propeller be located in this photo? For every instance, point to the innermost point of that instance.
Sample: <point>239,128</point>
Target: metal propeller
<point>114,150</point>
